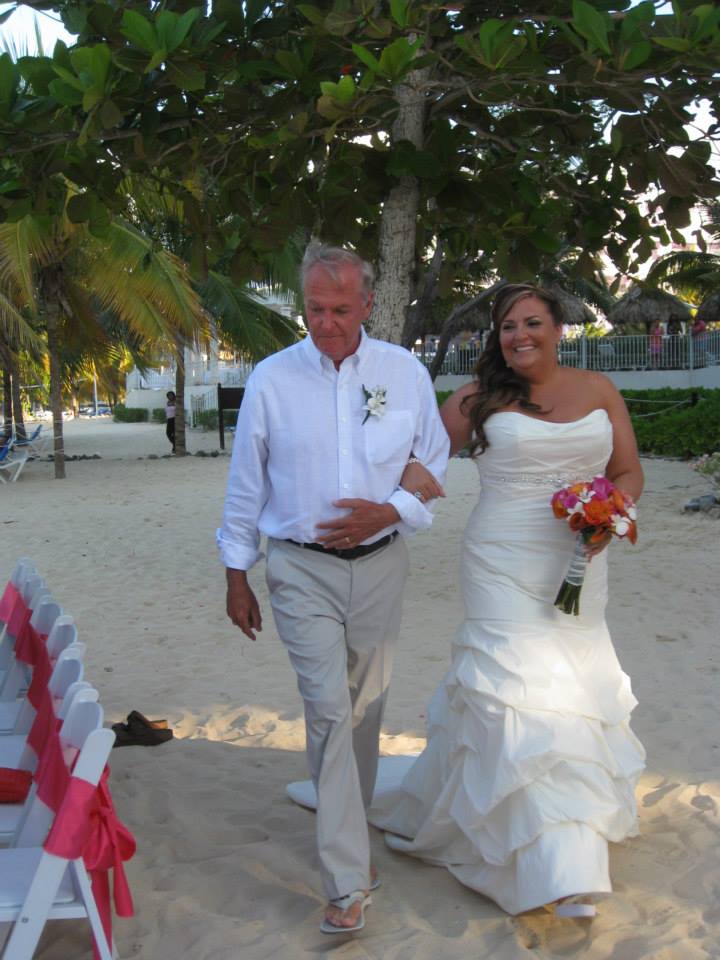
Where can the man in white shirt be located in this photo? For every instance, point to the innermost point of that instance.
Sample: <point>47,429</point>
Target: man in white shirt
<point>324,433</point>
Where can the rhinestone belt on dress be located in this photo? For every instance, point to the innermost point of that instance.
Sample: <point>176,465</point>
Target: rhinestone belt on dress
<point>540,479</point>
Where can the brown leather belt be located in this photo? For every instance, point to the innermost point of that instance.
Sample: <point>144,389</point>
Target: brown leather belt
<point>352,553</point>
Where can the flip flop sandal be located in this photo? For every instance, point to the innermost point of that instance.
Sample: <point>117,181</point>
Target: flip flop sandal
<point>571,907</point>
<point>344,903</point>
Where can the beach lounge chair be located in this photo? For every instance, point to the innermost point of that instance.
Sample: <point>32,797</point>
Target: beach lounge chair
<point>34,444</point>
<point>10,466</point>
<point>37,884</point>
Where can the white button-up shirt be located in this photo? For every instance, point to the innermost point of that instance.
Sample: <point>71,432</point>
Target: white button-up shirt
<point>301,443</point>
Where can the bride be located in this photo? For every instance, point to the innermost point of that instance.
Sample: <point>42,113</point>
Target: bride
<point>530,764</point>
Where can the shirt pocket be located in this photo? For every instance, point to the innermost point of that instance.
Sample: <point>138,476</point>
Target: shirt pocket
<point>388,439</point>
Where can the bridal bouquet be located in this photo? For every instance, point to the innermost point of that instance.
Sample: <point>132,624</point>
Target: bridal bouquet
<point>592,510</point>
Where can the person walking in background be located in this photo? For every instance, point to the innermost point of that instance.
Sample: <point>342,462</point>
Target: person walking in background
<point>699,335</point>
<point>655,344</point>
<point>325,431</point>
<point>170,418</point>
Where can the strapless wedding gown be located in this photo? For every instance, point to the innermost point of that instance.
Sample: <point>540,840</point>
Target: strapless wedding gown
<point>530,764</point>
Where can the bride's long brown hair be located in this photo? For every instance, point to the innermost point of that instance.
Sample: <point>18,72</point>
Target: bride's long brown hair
<point>498,386</point>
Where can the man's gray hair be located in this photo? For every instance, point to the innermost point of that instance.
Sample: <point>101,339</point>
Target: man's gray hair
<point>330,258</point>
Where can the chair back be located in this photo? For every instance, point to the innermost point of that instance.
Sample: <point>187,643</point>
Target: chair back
<point>44,615</point>
<point>84,716</point>
<point>30,586</point>
<point>62,634</point>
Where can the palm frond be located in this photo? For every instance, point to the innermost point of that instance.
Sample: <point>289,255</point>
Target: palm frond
<point>244,320</point>
<point>14,327</point>
<point>146,286</point>
<point>692,275</point>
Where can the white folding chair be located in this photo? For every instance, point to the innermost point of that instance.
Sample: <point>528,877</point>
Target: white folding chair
<point>16,754</point>
<point>45,613</point>
<point>23,569</point>
<point>37,886</point>
<point>16,716</point>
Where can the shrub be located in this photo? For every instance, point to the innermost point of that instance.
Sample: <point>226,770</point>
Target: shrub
<point>123,414</point>
<point>158,415</point>
<point>676,431</point>
<point>709,466</point>
<point>209,419</point>
<point>442,396</point>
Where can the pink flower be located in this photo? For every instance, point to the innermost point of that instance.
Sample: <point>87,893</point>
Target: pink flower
<point>602,487</point>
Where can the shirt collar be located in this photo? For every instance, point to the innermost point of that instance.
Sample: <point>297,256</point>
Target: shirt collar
<point>322,363</point>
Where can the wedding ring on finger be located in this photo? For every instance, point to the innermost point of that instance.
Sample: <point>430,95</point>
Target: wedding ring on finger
<point>419,496</point>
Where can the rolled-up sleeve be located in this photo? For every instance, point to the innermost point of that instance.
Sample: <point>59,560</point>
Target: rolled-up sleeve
<point>238,538</point>
<point>431,445</point>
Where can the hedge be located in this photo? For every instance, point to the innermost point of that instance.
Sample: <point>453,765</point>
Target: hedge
<point>675,431</point>
<point>123,414</point>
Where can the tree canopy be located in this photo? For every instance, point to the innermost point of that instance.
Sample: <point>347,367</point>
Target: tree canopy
<point>443,140</point>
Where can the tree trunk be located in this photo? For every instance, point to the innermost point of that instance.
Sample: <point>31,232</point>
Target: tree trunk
<point>418,313</point>
<point>398,225</point>
<point>17,410</point>
<point>180,446</point>
<point>51,303</point>
<point>7,397</point>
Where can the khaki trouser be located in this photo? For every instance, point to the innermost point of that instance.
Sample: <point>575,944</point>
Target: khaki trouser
<point>339,620</point>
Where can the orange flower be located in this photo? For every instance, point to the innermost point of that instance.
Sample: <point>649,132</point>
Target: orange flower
<point>598,512</point>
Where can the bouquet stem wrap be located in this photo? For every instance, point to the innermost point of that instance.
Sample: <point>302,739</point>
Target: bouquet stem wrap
<point>568,598</point>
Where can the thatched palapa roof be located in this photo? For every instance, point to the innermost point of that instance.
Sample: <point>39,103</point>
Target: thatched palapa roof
<point>709,309</point>
<point>575,311</point>
<point>646,305</point>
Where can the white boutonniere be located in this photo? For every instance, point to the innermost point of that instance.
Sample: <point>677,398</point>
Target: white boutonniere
<point>375,401</point>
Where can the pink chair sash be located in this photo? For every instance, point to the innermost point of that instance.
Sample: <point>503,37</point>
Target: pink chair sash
<point>87,826</point>
<point>18,622</point>
<point>31,648</point>
<point>10,599</point>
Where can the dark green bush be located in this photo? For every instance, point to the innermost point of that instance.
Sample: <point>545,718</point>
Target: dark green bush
<point>158,415</point>
<point>208,419</point>
<point>675,431</point>
<point>123,414</point>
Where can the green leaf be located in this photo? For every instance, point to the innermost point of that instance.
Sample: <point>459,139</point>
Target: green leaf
<point>90,98</point>
<point>366,57</point>
<point>8,80</point>
<point>679,44</point>
<point>312,14</point>
<point>398,11</point>
<point>397,57</point>
<point>65,94</point>
<point>339,24</point>
<point>157,58</point>
<point>139,30</point>
<point>591,25</point>
<point>635,55</point>
<point>110,115</point>
<point>185,76</point>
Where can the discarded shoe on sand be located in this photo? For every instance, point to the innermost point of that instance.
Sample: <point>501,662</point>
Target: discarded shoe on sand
<point>138,731</point>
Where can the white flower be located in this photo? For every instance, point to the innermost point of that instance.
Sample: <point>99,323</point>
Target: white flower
<point>620,525</point>
<point>375,401</point>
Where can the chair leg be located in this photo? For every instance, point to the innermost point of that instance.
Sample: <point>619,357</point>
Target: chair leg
<point>27,928</point>
<point>106,951</point>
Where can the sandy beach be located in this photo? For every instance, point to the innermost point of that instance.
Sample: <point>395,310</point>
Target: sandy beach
<point>226,866</point>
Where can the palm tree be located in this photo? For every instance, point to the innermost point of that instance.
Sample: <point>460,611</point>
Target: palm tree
<point>240,315</point>
<point>692,274</point>
<point>63,276</point>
